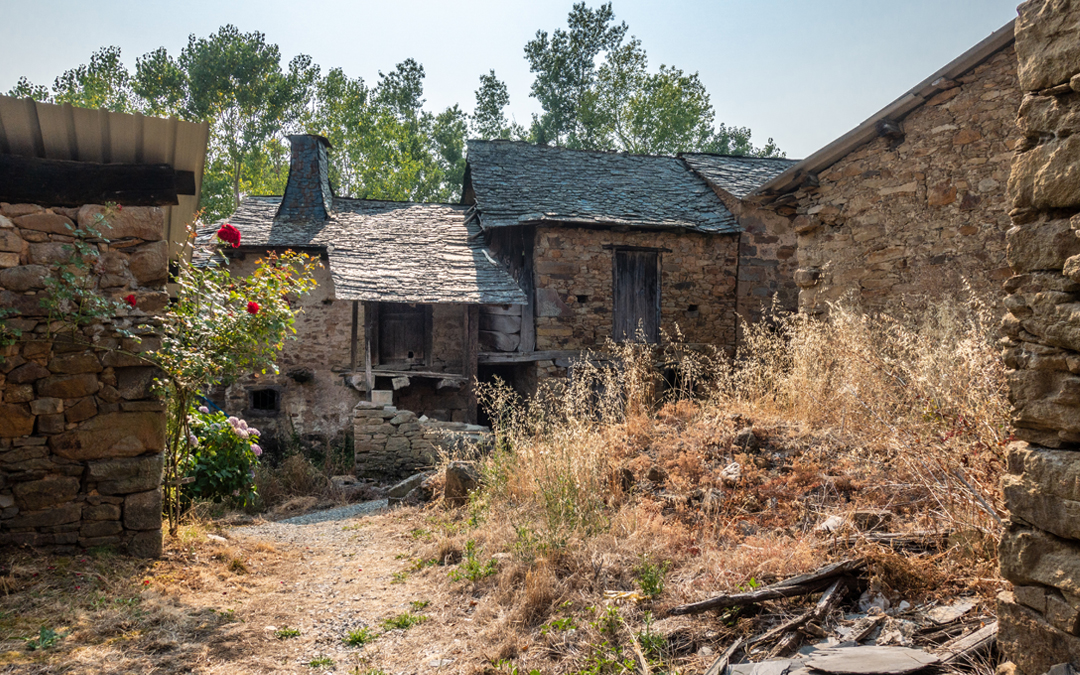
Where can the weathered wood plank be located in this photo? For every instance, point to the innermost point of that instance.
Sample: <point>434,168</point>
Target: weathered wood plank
<point>526,357</point>
<point>503,342</point>
<point>500,323</point>
<point>501,310</point>
<point>60,182</point>
<point>471,357</point>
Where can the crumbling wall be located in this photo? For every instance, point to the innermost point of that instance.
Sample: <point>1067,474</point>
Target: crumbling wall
<point>574,292</point>
<point>1040,551</point>
<point>81,430</point>
<point>392,444</point>
<point>898,224</point>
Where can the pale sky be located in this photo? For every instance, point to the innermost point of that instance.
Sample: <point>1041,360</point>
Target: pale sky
<point>801,71</point>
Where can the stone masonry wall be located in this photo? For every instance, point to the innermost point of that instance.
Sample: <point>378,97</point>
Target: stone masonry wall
<point>574,293</point>
<point>392,444</point>
<point>81,433</point>
<point>911,220</point>
<point>1040,551</point>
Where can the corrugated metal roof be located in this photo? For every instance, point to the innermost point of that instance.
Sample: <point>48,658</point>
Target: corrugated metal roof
<point>793,178</point>
<point>33,129</point>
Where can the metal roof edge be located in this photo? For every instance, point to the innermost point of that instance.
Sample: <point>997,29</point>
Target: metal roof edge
<point>913,98</point>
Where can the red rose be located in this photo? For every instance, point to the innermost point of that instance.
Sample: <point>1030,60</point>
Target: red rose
<point>229,235</point>
<point>130,300</point>
<point>253,307</point>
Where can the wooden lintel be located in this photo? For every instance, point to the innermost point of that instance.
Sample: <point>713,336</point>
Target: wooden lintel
<point>620,247</point>
<point>526,357</point>
<point>59,182</point>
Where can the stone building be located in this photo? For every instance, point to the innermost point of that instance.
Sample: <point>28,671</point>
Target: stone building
<point>910,204</point>
<point>605,246</point>
<point>396,309</point>
<point>1040,551</point>
<point>81,427</point>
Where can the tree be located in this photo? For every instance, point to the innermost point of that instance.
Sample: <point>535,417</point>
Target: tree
<point>488,119</point>
<point>102,83</point>
<point>24,88</point>
<point>234,81</point>
<point>598,94</point>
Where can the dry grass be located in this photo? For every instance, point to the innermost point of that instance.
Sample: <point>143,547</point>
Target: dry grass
<point>624,463</point>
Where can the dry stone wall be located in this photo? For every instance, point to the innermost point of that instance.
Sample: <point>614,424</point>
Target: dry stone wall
<point>1040,551</point>
<point>900,224</point>
<point>81,430</point>
<point>393,444</point>
<point>574,291</point>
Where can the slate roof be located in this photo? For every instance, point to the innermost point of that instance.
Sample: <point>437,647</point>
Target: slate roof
<point>516,183</point>
<point>384,251</point>
<point>738,176</point>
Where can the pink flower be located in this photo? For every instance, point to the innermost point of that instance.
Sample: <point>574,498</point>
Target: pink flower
<point>229,235</point>
<point>256,449</point>
<point>253,307</point>
<point>130,300</point>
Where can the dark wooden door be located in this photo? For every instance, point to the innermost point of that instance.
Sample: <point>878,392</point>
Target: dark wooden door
<point>637,295</point>
<point>402,332</point>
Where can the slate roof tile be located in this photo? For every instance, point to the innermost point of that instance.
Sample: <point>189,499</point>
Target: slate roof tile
<point>738,176</point>
<point>517,183</point>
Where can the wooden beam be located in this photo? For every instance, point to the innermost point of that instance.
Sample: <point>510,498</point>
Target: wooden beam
<point>59,182</point>
<point>470,356</point>
<point>352,343</point>
<point>527,357</point>
<point>528,284</point>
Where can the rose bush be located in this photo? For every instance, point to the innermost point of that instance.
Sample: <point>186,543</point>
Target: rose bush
<point>222,461</point>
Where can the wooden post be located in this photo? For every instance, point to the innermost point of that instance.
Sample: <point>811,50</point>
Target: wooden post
<point>355,329</point>
<point>528,284</point>
<point>470,356</point>
<point>369,329</point>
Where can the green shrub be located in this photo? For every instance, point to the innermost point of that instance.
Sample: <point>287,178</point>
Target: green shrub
<point>222,464</point>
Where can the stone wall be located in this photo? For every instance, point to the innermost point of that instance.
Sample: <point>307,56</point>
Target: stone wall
<point>393,444</point>
<point>574,293</point>
<point>1040,551</point>
<point>895,225</point>
<point>81,432</point>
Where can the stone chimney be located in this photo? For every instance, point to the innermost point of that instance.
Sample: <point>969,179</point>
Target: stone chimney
<point>307,195</point>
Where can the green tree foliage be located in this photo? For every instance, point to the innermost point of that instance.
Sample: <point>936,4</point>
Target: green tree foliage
<point>597,93</point>
<point>488,119</point>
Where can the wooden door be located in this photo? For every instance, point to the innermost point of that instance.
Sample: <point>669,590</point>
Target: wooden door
<point>637,295</point>
<point>402,334</point>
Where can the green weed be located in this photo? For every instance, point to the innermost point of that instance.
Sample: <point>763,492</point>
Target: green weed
<point>286,633</point>
<point>360,636</point>
<point>403,621</point>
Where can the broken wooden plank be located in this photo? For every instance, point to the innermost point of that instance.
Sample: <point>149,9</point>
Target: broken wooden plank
<point>803,584</point>
<point>719,666</point>
<point>964,648</point>
<point>825,604</point>
<point>871,660</point>
<point>914,540</point>
<point>502,342</point>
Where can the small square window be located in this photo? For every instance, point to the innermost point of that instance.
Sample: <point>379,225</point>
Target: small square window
<point>266,400</point>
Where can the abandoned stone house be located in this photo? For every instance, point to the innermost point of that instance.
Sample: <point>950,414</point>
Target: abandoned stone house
<point>909,205</point>
<point>81,428</point>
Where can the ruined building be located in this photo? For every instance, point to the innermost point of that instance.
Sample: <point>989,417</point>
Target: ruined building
<point>910,204</point>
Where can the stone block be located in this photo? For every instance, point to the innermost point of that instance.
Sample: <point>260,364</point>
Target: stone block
<point>68,386</point>
<point>1031,596</point>
<point>43,221</point>
<point>101,512</point>
<point>141,222</point>
<point>65,513</point>
<point>50,253</point>
<point>28,372</point>
<point>124,476</point>
<point>15,420</point>
<point>24,278</point>
<point>136,383</point>
<point>142,511</point>
<point>1042,246</point>
<point>120,434</point>
<point>95,542</point>
<point>549,303</point>
<point>1026,639</point>
<point>8,259</point>
<point>1047,51</point>
<point>40,494</point>
<point>1033,557</point>
<point>73,364</point>
<point>145,544</point>
<point>47,406</point>
<point>101,528</point>
<point>82,410</point>
<point>50,424</point>
<point>11,242</point>
<point>150,263</point>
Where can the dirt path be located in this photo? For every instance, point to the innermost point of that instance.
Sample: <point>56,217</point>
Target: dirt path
<point>221,603</point>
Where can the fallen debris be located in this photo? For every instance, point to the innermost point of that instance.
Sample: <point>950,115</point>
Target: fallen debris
<point>949,613</point>
<point>969,646</point>
<point>871,660</point>
<point>804,584</point>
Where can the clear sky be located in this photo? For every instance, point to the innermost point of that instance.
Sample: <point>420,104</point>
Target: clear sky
<point>801,71</point>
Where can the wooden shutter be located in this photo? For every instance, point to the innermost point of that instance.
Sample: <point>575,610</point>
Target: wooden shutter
<point>402,333</point>
<point>637,295</point>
